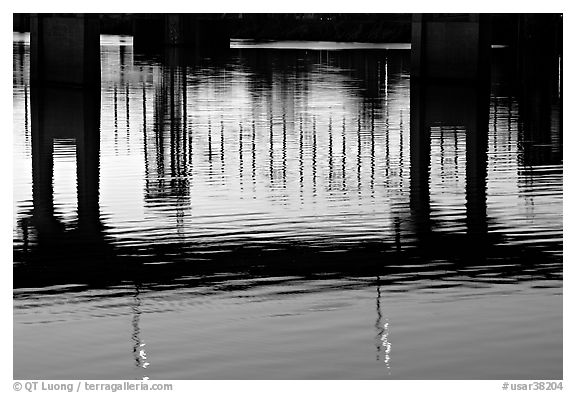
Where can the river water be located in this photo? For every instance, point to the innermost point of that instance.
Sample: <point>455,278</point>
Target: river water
<point>272,213</point>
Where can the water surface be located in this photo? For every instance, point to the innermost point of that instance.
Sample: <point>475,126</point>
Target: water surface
<point>273,213</point>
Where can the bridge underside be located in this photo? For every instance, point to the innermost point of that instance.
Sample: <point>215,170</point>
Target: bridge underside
<point>180,30</point>
<point>450,46</point>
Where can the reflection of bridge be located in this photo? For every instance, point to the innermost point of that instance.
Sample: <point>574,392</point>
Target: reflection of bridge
<point>65,47</point>
<point>468,108</point>
<point>107,264</point>
<point>70,114</point>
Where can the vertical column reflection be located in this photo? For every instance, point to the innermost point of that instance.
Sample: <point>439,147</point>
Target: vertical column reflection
<point>72,114</point>
<point>446,105</point>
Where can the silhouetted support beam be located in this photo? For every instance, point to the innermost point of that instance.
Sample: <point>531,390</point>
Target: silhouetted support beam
<point>65,49</point>
<point>66,113</point>
<point>450,46</point>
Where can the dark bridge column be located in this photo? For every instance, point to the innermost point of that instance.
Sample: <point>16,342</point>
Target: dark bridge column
<point>450,46</point>
<point>65,49</point>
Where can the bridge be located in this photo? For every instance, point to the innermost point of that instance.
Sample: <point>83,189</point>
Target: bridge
<point>65,47</point>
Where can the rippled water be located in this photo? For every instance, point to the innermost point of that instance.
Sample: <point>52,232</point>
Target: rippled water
<point>273,213</point>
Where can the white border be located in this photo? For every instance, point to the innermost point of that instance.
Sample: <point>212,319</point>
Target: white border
<point>383,6</point>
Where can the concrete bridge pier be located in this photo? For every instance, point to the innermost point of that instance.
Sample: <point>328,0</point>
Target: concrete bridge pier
<point>450,46</point>
<point>65,50</point>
